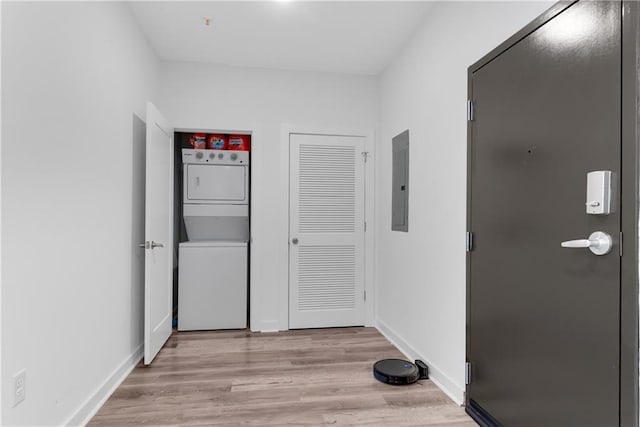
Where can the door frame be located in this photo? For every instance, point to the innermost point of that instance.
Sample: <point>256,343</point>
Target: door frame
<point>630,187</point>
<point>369,217</point>
<point>255,130</point>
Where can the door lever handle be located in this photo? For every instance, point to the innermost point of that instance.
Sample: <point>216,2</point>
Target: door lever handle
<point>579,243</point>
<point>599,243</point>
<point>150,245</point>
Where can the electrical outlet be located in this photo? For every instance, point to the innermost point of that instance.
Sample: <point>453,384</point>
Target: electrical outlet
<point>19,387</point>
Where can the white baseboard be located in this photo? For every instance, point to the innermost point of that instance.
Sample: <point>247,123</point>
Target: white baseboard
<point>440,379</point>
<point>266,326</point>
<point>90,407</point>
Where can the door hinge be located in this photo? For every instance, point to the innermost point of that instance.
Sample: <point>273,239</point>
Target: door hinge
<point>469,110</point>
<point>365,295</point>
<point>365,226</point>
<point>467,373</point>
<point>365,155</point>
<point>620,243</point>
<point>469,241</point>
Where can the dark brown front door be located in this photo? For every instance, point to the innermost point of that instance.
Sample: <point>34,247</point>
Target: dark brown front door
<point>544,321</point>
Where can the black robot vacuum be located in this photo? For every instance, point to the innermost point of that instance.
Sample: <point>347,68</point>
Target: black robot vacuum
<point>400,372</point>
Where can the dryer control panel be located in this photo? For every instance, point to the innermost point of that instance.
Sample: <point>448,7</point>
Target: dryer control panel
<point>214,157</point>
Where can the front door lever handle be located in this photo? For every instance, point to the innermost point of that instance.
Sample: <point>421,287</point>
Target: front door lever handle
<point>579,243</point>
<point>599,243</point>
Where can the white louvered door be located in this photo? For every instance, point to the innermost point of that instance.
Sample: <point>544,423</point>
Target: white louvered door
<point>326,231</point>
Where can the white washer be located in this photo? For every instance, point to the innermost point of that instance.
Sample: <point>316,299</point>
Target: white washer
<point>212,292</point>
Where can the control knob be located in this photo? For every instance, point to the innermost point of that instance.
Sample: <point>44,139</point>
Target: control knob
<point>199,155</point>
<point>234,156</point>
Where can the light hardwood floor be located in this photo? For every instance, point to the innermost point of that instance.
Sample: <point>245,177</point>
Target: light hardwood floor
<point>305,377</point>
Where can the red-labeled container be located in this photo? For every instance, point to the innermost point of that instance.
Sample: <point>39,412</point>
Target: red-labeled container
<point>239,142</point>
<point>198,141</point>
<point>217,141</point>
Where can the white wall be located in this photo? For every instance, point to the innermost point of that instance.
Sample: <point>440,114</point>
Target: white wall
<point>218,97</point>
<point>75,78</point>
<point>421,274</point>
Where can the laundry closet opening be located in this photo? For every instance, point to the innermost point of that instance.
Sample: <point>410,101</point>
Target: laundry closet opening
<point>212,229</point>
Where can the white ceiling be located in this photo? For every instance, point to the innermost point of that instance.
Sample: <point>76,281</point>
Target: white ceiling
<point>339,36</point>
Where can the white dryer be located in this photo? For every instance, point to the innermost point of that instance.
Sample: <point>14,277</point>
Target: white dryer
<point>218,177</point>
<point>216,194</point>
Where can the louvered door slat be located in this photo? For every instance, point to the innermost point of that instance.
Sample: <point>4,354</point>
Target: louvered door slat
<point>327,217</point>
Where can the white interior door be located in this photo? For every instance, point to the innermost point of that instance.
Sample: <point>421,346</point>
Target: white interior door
<point>326,231</point>
<point>158,260</point>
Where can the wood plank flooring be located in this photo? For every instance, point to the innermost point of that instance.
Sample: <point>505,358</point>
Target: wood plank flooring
<point>309,377</point>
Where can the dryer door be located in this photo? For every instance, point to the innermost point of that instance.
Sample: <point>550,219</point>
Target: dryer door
<point>219,183</point>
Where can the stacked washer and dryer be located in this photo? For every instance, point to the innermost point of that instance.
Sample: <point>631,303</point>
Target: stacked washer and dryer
<point>213,263</point>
